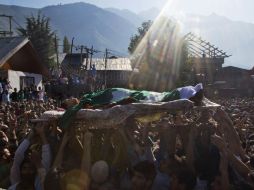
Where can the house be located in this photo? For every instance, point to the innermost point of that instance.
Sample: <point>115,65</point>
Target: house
<point>85,74</point>
<point>20,63</point>
<point>208,62</point>
<point>233,81</point>
<point>235,77</point>
<point>207,59</point>
<point>114,72</point>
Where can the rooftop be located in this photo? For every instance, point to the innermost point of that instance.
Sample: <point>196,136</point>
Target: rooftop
<point>9,45</point>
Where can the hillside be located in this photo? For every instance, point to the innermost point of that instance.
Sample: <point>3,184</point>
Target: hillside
<point>88,24</point>
<point>112,28</point>
<point>18,13</point>
<point>128,15</point>
<point>234,37</point>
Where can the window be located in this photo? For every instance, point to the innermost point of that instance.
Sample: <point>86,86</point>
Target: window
<point>26,82</point>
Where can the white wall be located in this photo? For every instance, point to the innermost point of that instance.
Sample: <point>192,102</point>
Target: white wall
<point>14,78</point>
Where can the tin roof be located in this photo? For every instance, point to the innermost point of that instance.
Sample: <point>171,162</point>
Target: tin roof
<point>115,64</point>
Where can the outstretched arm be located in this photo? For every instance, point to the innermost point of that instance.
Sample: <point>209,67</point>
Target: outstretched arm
<point>224,159</point>
<point>59,156</point>
<point>235,162</point>
<point>231,136</point>
<point>86,158</point>
<point>46,152</point>
<point>18,159</point>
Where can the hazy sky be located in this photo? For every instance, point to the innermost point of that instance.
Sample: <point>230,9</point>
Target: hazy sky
<point>234,9</point>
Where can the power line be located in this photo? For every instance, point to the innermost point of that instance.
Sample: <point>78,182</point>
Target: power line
<point>117,53</point>
<point>18,23</point>
<point>5,32</point>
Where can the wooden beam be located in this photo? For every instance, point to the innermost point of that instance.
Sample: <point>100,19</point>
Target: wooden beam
<point>200,42</point>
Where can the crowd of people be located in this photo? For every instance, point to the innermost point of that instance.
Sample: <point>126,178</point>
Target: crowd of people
<point>9,94</point>
<point>62,78</point>
<point>208,149</point>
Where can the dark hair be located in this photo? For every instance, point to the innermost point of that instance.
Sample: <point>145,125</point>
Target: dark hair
<point>197,99</point>
<point>185,177</point>
<point>146,168</point>
<point>52,180</point>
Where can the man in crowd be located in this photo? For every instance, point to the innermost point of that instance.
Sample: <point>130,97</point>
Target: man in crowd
<point>14,95</point>
<point>189,152</point>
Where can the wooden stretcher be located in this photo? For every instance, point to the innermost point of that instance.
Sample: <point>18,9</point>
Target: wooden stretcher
<point>106,118</point>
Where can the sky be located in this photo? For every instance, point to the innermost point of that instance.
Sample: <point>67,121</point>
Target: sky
<point>241,10</point>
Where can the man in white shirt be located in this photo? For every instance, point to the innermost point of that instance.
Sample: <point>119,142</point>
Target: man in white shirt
<point>41,94</point>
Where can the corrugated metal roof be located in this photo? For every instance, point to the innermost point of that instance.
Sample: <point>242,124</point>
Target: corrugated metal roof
<point>118,64</point>
<point>232,68</point>
<point>8,45</point>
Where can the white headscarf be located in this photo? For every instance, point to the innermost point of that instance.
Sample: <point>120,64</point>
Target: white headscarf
<point>189,91</point>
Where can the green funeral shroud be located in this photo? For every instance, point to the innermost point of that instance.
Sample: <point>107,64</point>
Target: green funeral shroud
<point>115,95</point>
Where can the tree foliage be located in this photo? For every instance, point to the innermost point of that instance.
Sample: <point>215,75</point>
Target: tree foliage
<point>66,45</point>
<point>161,59</point>
<point>39,32</point>
<point>135,40</point>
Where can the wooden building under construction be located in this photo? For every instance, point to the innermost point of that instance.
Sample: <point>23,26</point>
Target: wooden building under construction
<point>208,63</point>
<point>206,58</point>
<point>111,72</point>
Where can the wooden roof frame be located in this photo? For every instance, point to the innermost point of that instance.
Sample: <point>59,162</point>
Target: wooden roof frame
<point>200,48</point>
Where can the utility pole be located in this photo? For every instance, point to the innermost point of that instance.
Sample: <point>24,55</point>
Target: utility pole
<point>56,49</point>
<point>87,57</point>
<point>81,58</point>
<point>81,55</point>
<point>106,61</point>
<point>71,50</point>
<point>10,18</point>
<point>91,57</point>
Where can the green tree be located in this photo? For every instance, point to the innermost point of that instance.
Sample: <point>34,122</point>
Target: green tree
<point>39,32</point>
<point>138,37</point>
<point>66,45</point>
<point>186,71</point>
<point>161,59</point>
